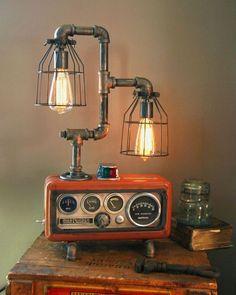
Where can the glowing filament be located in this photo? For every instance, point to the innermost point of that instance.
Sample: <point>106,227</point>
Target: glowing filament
<point>145,140</point>
<point>60,96</point>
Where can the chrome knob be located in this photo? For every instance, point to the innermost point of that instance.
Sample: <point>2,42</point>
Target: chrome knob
<point>102,220</point>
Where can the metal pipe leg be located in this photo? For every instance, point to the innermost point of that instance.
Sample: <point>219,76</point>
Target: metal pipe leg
<point>149,248</point>
<point>71,251</point>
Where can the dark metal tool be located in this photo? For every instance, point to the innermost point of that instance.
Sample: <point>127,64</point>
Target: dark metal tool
<point>147,266</point>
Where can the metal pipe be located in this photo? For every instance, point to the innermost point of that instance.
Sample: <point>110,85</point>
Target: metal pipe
<point>62,34</point>
<point>105,82</point>
<point>76,156</point>
<point>137,82</point>
<point>103,76</point>
<point>102,34</point>
<point>104,109</point>
<point>86,31</point>
<point>75,172</point>
<point>64,31</point>
<point>73,134</point>
<point>124,83</point>
<point>101,131</point>
<point>144,85</point>
<point>103,56</point>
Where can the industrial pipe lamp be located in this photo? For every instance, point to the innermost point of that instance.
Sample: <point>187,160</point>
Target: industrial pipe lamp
<point>135,206</point>
<point>61,86</point>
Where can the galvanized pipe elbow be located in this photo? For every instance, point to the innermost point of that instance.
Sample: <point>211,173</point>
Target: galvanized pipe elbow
<point>63,32</point>
<point>101,131</point>
<point>144,85</point>
<point>102,34</point>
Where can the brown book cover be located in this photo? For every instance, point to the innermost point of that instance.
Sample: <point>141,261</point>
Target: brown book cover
<point>217,235</point>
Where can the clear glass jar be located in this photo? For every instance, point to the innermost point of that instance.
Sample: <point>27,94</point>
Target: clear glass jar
<point>194,207</point>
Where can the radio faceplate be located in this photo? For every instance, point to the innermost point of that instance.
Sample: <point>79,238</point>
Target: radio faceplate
<point>115,210</point>
<point>134,207</point>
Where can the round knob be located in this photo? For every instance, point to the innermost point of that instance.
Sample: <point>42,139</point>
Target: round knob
<point>102,220</point>
<point>119,219</point>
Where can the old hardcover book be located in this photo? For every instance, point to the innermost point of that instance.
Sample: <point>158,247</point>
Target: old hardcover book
<point>217,235</point>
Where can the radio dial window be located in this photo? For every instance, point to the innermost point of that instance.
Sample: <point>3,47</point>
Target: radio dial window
<point>143,209</point>
<point>91,203</point>
<point>114,203</point>
<point>67,204</point>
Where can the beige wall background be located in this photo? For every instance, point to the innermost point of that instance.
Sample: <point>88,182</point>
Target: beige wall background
<point>185,47</point>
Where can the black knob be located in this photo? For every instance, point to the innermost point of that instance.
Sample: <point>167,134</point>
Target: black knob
<point>102,220</point>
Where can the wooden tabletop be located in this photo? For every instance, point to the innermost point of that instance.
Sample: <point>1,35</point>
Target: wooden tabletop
<point>105,262</point>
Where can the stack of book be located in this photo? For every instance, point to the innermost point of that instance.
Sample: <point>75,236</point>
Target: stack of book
<point>217,235</point>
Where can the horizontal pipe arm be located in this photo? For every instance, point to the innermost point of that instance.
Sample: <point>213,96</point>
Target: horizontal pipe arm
<point>137,82</point>
<point>64,31</point>
<point>85,134</point>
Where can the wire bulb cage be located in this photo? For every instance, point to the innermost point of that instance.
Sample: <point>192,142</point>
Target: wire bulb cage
<point>145,127</point>
<point>61,79</point>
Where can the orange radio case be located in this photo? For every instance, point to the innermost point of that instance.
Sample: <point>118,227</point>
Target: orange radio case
<point>137,206</point>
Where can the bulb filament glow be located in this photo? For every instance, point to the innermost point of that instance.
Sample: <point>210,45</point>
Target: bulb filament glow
<point>145,140</point>
<point>60,96</point>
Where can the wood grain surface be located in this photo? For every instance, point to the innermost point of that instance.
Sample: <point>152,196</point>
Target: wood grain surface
<point>106,264</point>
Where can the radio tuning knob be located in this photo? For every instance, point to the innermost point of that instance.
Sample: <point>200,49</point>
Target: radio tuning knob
<point>102,220</point>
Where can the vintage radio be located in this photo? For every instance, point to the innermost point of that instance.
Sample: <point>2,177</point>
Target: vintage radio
<point>133,207</point>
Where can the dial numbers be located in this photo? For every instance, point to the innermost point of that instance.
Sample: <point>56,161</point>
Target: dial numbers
<point>144,209</point>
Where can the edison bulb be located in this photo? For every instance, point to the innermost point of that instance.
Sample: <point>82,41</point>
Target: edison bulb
<point>145,140</point>
<point>60,96</point>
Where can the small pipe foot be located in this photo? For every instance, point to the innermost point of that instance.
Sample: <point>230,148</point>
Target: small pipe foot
<point>149,248</point>
<point>71,251</point>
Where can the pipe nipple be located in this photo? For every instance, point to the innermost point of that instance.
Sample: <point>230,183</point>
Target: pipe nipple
<point>63,134</point>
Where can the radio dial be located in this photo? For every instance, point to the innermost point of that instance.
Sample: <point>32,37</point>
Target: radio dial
<point>102,220</point>
<point>91,203</point>
<point>144,209</point>
<point>67,204</point>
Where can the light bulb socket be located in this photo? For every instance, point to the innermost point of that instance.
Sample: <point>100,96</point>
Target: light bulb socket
<point>146,109</point>
<point>61,59</point>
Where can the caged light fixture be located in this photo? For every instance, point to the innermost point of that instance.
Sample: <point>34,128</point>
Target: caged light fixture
<point>145,127</point>
<point>61,81</point>
<point>61,86</point>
